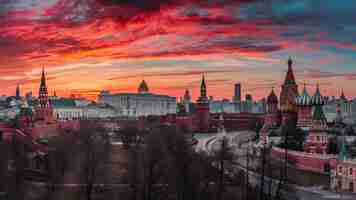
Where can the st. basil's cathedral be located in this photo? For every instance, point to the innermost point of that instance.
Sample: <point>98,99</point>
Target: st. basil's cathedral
<point>300,110</point>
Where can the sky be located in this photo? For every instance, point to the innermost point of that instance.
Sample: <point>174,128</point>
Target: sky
<point>87,46</point>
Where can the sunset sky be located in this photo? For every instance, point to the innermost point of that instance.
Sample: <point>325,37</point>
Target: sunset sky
<point>90,45</point>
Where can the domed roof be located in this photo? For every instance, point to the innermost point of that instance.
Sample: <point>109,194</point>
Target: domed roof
<point>272,98</point>
<point>143,88</point>
<point>304,99</point>
<point>317,99</point>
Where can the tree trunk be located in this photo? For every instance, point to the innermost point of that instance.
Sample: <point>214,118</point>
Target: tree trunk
<point>221,180</point>
<point>262,174</point>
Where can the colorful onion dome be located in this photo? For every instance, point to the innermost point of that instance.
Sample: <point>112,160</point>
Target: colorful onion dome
<point>143,88</point>
<point>272,98</point>
<point>317,99</point>
<point>304,99</point>
<point>288,107</point>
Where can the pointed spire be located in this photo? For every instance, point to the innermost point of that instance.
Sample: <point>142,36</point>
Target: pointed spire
<point>18,94</point>
<point>290,75</point>
<point>43,78</point>
<point>304,99</point>
<point>203,87</point>
<point>272,97</point>
<point>317,99</point>
<point>342,96</point>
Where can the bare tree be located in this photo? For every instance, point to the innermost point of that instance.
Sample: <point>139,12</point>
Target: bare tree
<point>58,159</point>
<point>93,150</point>
<point>222,155</point>
<point>19,163</point>
<point>3,164</point>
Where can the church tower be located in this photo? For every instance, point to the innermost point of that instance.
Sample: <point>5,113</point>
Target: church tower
<point>304,105</point>
<point>202,109</point>
<point>288,95</point>
<point>272,116</point>
<point>317,139</point>
<point>44,109</point>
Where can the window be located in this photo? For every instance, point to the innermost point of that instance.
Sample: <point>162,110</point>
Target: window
<point>340,169</point>
<point>350,171</point>
<point>351,187</point>
<point>318,138</point>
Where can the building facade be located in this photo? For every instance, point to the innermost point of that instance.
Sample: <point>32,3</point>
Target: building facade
<point>343,177</point>
<point>142,103</point>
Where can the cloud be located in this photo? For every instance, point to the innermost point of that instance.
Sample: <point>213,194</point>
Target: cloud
<point>318,74</point>
<point>167,74</point>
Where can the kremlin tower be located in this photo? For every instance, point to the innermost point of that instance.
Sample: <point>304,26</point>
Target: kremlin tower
<point>288,95</point>
<point>304,106</point>
<point>202,109</point>
<point>272,116</point>
<point>44,109</point>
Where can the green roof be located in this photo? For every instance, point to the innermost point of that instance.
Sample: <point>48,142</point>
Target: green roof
<point>319,113</point>
<point>343,152</point>
<point>63,103</point>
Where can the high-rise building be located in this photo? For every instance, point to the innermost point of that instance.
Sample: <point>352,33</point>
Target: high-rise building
<point>237,94</point>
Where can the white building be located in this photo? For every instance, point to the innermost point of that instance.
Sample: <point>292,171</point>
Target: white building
<point>95,111</point>
<point>142,103</point>
<point>69,109</point>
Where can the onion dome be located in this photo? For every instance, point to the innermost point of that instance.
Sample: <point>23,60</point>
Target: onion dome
<point>288,107</point>
<point>304,99</point>
<point>272,98</point>
<point>317,99</point>
<point>143,88</point>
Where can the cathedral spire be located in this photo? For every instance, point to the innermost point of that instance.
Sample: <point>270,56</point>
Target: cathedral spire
<point>203,87</point>
<point>43,78</point>
<point>290,75</point>
<point>342,96</point>
<point>18,94</point>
